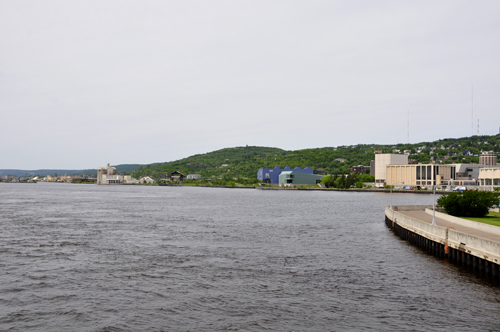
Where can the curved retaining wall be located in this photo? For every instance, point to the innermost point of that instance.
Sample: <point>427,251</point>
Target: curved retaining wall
<point>460,248</point>
<point>467,223</point>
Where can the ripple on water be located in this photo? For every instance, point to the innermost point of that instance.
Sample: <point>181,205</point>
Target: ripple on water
<point>125,258</point>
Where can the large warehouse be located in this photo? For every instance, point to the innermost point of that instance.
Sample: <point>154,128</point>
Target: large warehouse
<point>292,177</point>
<point>271,175</point>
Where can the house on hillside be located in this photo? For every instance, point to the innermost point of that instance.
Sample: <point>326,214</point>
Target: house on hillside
<point>359,169</point>
<point>146,179</point>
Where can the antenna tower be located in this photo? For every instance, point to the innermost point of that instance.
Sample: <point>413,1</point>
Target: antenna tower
<point>472,109</point>
<point>408,132</point>
<point>478,126</point>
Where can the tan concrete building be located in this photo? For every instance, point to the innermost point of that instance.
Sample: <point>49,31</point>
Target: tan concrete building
<point>488,158</point>
<point>420,174</point>
<point>384,159</point>
<point>489,178</point>
<point>433,174</point>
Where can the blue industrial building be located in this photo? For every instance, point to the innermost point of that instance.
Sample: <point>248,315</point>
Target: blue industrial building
<point>272,175</point>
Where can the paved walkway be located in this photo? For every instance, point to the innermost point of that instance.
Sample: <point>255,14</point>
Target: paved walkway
<point>422,216</point>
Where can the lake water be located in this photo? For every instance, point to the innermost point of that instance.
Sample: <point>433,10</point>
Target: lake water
<point>138,258</point>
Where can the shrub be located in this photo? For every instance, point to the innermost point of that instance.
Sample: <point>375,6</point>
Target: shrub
<point>469,203</point>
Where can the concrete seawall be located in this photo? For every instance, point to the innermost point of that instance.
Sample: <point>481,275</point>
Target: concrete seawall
<point>467,223</point>
<point>472,247</point>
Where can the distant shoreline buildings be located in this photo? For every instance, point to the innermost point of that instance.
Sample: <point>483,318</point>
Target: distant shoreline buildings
<point>394,170</point>
<point>107,175</point>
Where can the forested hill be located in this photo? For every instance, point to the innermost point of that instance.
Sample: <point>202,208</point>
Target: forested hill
<point>245,161</point>
<point>237,162</point>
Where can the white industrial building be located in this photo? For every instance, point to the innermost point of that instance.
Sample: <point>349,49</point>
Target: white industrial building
<point>381,162</point>
<point>107,175</point>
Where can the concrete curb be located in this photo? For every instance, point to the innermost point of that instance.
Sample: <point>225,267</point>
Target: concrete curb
<point>467,223</point>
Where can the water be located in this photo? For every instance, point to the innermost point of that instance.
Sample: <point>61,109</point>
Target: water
<point>136,258</point>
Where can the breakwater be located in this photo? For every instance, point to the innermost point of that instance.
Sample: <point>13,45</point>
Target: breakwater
<point>468,246</point>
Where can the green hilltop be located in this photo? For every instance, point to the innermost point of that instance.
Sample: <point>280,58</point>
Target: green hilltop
<point>244,161</point>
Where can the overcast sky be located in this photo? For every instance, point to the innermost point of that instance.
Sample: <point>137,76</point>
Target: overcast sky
<point>84,83</point>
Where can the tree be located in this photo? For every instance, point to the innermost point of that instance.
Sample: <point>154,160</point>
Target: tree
<point>366,178</point>
<point>469,203</point>
<point>328,181</point>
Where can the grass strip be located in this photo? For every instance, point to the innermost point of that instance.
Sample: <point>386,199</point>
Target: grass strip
<point>493,218</point>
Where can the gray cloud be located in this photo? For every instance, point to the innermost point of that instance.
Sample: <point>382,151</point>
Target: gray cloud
<point>86,83</point>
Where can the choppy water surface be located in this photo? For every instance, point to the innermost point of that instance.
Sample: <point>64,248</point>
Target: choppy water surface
<point>136,258</point>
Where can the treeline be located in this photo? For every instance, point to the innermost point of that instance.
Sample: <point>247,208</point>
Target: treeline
<point>347,181</point>
<point>244,162</point>
<point>223,181</point>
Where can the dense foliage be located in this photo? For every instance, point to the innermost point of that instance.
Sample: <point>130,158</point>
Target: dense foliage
<point>347,181</point>
<point>243,162</point>
<point>469,203</point>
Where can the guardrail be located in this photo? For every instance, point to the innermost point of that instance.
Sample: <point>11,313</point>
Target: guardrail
<point>461,248</point>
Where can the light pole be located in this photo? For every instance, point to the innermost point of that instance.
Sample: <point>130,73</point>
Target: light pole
<point>434,207</point>
<point>492,179</point>
<point>392,185</point>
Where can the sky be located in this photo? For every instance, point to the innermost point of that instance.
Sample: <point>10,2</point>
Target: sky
<point>86,83</point>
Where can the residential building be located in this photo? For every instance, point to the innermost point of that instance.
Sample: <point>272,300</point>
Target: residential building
<point>359,169</point>
<point>176,176</point>
<point>271,175</point>
<point>146,179</point>
<point>193,176</point>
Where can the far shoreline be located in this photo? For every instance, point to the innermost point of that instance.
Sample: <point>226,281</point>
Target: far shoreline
<point>368,190</point>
